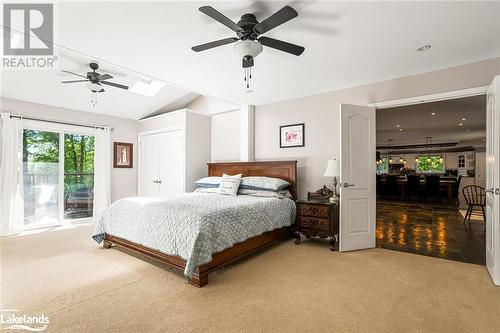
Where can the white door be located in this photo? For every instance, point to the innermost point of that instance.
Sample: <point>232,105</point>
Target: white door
<point>357,177</point>
<point>171,160</point>
<point>493,181</point>
<point>149,166</point>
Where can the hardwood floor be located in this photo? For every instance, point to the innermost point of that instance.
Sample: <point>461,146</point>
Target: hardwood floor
<point>430,230</point>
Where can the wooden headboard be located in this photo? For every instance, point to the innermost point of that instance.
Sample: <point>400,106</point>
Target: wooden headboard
<point>286,170</point>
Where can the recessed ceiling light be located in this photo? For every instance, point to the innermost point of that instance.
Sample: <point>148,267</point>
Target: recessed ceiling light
<point>484,140</point>
<point>463,119</point>
<point>423,48</point>
<point>433,113</point>
<point>460,124</point>
<point>398,125</point>
<point>401,130</point>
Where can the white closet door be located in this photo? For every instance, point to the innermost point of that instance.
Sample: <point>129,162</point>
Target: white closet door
<point>150,165</point>
<point>171,162</point>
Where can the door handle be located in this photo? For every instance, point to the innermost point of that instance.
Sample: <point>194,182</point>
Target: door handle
<point>493,190</point>
<point>347,185</point>
<point>157,181</point>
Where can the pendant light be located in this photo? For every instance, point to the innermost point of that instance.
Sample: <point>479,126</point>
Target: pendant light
<point>389,144</point>
<point>428,141</point>
<point>441,158</point>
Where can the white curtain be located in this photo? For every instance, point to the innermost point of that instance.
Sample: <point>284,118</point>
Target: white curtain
<point>11,170</point>
<point>102,171</point>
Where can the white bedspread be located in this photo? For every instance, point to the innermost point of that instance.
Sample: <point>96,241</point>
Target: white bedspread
<point>193,226</point>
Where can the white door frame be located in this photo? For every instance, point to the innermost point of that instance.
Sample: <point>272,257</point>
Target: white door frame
<point>482,90</point>
<point>443,96</point>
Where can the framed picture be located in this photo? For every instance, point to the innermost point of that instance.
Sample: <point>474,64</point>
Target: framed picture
<point>292,136</point>
<point>123,155</point>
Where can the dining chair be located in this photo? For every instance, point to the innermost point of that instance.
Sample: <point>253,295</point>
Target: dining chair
<point>413,189</point>
<point>474,196</point>
<point>432,188</point>
<point>391,186</point>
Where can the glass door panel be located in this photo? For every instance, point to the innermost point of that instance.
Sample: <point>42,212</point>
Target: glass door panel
<point>78,176</point>
<point>40,178</point>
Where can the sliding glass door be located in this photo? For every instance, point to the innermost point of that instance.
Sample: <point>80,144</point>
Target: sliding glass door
<point>41,181</point>
<point>58,175</point>
<point>78,176</point>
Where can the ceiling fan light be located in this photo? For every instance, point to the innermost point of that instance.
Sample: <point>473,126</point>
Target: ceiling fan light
<point>94,87</point>
<point>247,48</point>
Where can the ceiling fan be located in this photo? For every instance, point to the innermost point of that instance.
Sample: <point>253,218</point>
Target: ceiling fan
<point>248,31</point>
<point>95,80</point>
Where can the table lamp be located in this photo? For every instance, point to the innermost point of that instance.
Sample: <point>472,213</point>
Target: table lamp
<point>332,170</point>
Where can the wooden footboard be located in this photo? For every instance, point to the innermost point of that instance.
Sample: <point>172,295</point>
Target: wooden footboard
<point>200,276</point>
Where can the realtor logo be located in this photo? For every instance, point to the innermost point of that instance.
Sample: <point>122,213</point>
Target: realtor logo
<point>28,27</point>
<point>28,36</point>
<point>22,21</point>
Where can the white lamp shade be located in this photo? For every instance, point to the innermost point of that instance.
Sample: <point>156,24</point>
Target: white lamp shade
<point>332,169</point>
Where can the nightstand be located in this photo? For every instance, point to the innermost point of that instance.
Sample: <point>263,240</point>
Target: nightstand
<point>318,219</point>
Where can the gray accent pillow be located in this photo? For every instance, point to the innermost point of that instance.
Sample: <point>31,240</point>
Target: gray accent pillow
<point>229,185</point>
<point>263,183</point>
<point>212,182</point>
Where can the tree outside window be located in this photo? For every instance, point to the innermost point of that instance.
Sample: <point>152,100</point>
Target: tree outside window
<point>382,167</point>
<point>434,166</point>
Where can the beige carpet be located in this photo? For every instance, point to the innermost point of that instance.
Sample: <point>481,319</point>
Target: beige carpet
<point>84,288</point>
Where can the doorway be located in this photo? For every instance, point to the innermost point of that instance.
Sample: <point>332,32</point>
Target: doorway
<point>430,158</point>
<point>58,175</point>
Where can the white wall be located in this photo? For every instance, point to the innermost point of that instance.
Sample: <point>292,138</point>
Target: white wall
<point>226,137</point>
<point>321,115</point>
<point>123,181</point>
<point>198,128</point>
<point>208,105</point>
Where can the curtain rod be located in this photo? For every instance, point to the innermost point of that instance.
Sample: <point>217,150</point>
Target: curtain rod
<point>59,122</point>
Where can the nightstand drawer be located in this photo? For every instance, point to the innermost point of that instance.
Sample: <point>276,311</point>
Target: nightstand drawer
<point>314,223</point>
<point>315,211</point>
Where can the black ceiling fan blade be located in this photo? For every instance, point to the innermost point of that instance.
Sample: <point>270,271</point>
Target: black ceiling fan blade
<point>283,15</point>
<point>216,43</point>
<point>121,86</point>
<point>282,46</point>
<point>65,71</point>
<point>105,77</point>
<point>74,81</point>
<point>216,15</point>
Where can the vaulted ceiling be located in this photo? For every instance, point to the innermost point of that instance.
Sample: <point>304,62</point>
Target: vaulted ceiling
<point>347,44</point>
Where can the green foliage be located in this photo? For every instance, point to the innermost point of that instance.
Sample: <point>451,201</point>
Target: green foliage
<point>43,147</point>
<point>434,165</point>
<point>40,146</point>
<point>383,167</point>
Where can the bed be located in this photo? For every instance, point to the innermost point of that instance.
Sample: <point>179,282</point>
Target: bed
<point>203,231</point>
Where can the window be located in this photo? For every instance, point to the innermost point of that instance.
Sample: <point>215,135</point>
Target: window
<point>434,166</point>
<point>461,161</point>
<point>382,167</point>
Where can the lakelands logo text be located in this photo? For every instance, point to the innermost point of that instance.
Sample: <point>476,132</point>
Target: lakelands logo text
<point>13,320</point>
<point>28,35</point>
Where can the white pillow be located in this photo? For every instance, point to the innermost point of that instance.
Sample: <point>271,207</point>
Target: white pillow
<point>229,184</point>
